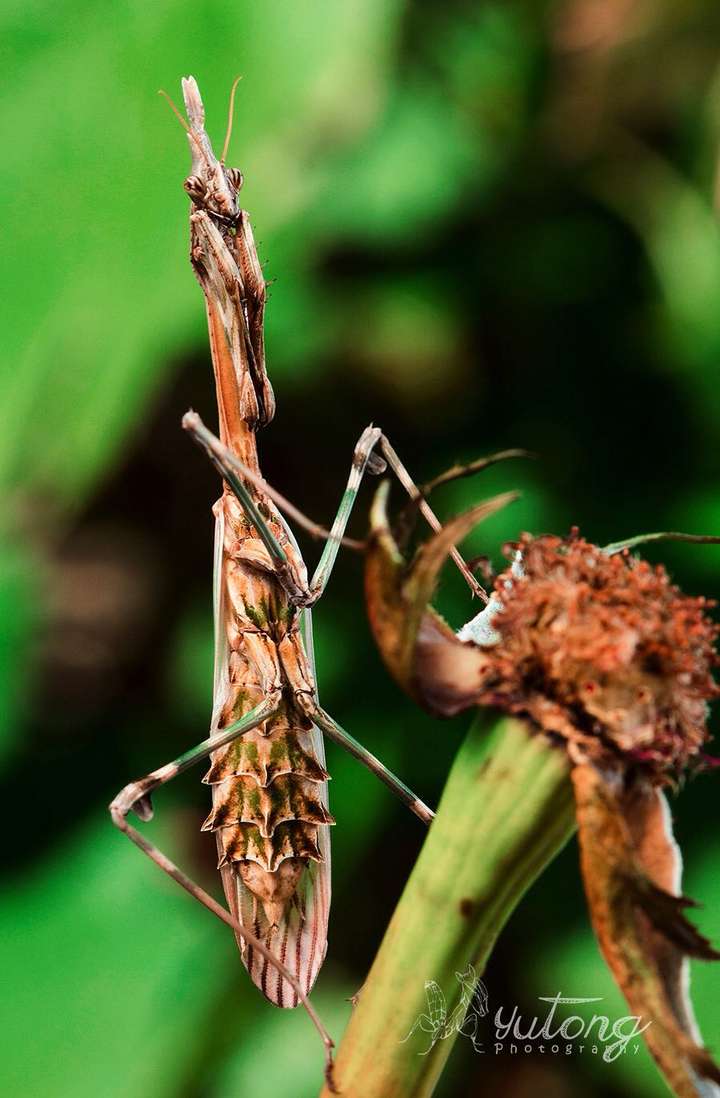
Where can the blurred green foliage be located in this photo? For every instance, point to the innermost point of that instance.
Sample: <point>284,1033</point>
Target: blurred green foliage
<point>490,225</point>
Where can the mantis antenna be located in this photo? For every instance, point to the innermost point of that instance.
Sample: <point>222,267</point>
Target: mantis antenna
<point>231,108</point>
<point>174,109</point>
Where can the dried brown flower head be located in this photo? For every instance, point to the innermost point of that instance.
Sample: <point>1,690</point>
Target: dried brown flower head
<point>610,662</point>
<point>603,650</point>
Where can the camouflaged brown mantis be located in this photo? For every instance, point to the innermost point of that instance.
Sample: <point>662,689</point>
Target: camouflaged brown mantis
<point>270,812</point>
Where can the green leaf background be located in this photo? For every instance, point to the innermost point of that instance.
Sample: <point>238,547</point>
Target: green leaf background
<point>483,235</point>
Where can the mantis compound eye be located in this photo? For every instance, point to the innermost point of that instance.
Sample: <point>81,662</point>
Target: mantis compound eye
<point>235,178</point>
<point>195,188</point>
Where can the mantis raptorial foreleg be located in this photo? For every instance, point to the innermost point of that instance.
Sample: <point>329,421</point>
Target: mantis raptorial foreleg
<point>227,466</point>
<point>363,458</point>
<point>231,469</point>
<point>135,797</point>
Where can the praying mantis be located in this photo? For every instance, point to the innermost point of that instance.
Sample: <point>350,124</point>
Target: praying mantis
<point>270,813</point>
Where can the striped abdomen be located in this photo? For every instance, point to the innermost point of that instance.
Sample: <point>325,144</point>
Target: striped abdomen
<point>270,811</point>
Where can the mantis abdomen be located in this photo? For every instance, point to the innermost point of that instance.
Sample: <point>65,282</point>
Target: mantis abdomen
<point>270,806</point>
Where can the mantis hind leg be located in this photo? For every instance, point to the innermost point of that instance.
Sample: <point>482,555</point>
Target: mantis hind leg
<point>135,797</point>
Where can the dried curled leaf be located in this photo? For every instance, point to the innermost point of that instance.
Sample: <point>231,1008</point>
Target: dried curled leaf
<point>631,870</point>
<point>437,669</point>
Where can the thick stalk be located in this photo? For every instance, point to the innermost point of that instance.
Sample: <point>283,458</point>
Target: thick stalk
<point>506,811</point>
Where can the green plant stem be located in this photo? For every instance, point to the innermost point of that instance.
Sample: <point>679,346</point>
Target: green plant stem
<point>506,811</point>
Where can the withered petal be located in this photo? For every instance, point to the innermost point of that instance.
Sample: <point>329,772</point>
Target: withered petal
<point>441,672</point>
<point>447,673</point>
<point>421,580</point>
<point>631,871</point>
